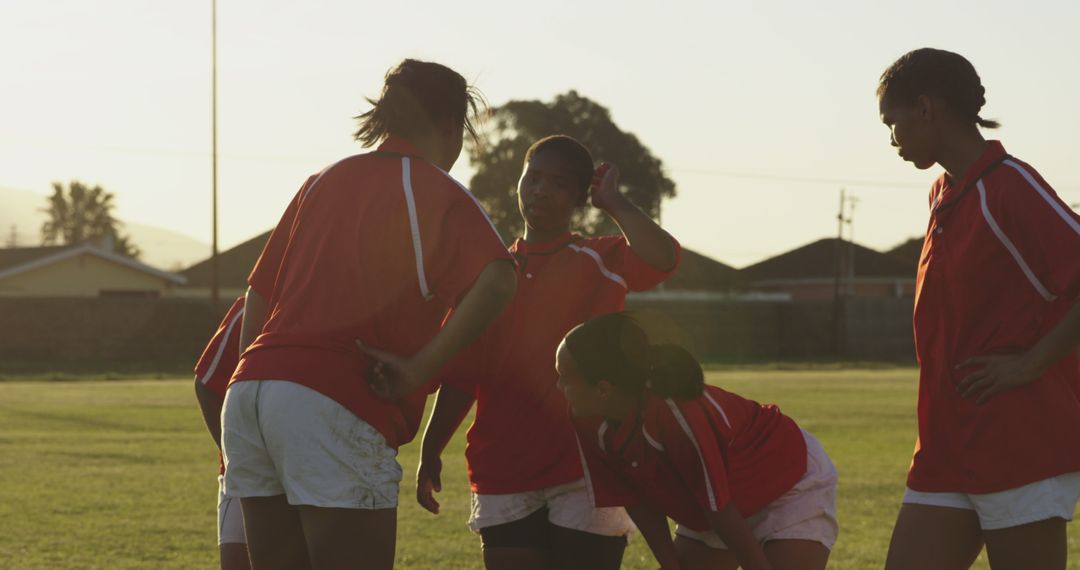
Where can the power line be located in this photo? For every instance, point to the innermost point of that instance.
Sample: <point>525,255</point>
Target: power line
<point>1069,188</point>
<point>312,158</point>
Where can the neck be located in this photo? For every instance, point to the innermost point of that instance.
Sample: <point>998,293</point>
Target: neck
<point>534,235</point>
<point>961,151</point>
<point>429,147</point>
<point>620,407</point>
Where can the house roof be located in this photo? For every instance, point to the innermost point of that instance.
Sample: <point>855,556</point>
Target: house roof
<point>698,272</point>
<point>17,260</point>
<point>819,259</point>
<point>234,265</point>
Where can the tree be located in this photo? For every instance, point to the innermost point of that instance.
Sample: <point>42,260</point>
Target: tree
<point>518,124</point>
<point>82,213</point>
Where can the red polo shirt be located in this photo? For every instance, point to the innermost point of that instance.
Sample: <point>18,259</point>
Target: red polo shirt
<point>521,438</point>
<point>686,458</point>
<point>999,269</point>
<point>376,247</point>
<point>218,360</point>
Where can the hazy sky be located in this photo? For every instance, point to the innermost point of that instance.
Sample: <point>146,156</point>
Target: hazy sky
<point>761,111</point>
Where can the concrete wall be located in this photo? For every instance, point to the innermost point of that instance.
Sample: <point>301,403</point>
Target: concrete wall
<point>103,334</point>
<point>118,334</point>
<point>740,331</point>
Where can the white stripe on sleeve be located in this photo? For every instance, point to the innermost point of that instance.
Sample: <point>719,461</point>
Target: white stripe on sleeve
<point>704,470</point>
<point>1009,246</point>
<point>600,264</point>
<point>221,347</point>
<point>475,201</point>
<point>1069,220</point>
<point>716,405</point>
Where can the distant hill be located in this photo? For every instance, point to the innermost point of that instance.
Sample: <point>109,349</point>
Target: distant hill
<point>910,250</point>
<point>161,248</point>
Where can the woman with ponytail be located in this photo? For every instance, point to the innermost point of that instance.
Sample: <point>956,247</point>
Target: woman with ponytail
<point>744,484</point>
<point>377,248</point>
<point>997,324</point>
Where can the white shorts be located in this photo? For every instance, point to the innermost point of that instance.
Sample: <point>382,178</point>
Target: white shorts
<point>569,506</point>
<point>1055,497</point>
<point>806,512</point>
<point>230,519</point>
<point>280,437</point>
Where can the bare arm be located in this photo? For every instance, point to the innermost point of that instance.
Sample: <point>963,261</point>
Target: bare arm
<point>653,525</point>
<point>1001,372</point>
<point>210,404</point>
<point>250,326</point>
<point>648,240</point>
<point>736,534</point>
<point>451,407</point>
<point>395,376</point>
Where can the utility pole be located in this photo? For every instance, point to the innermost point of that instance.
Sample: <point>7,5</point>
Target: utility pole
<point>214,285</point>
<point>844,271</point>
<point>13,237</point>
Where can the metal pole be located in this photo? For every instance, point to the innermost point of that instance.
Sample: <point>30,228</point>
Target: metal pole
<point>839,266</point>
<point>214,292</point>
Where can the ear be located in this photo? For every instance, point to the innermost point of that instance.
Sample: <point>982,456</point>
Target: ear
<point>605,389</point>
<point>925,107</point>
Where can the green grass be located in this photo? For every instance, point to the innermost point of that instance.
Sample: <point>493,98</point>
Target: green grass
<point>121,474</point>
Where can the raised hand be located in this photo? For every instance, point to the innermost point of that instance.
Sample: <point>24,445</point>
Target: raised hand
<point>605,187</point>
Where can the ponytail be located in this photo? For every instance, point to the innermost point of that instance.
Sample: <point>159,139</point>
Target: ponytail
<point>675,373</point>
<point>614,348</point>
<point>416,97</point>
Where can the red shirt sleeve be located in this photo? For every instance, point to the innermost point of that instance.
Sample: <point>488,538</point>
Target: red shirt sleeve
<point>219,358</point>
<point>691,444</point>
<point>465,243</point>
<point>606,488</point>
<point>265,272</point>
<point>620,258</point>
<point>1044,230</point>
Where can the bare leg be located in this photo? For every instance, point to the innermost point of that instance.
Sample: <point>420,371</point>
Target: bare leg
<point>234,556</point>
<point>578,550</point>
<point>695,555</point>
<point>790,554</point>
<point>350,538</point>
<point>515,558</point>
<point>275,537</point>
<point>1039,545</point>
<point>934,538</point>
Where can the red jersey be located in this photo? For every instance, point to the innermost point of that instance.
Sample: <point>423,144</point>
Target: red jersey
<point>687,458</point>
<point>999,269</point>
<point>376,248</point>
<point>521,438</point>
<point>218,360</point>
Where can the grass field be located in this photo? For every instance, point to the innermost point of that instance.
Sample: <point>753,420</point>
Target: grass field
<point>121,474</point>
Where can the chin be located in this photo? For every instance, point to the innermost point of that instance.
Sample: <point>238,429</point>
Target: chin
<point>923,164</point>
